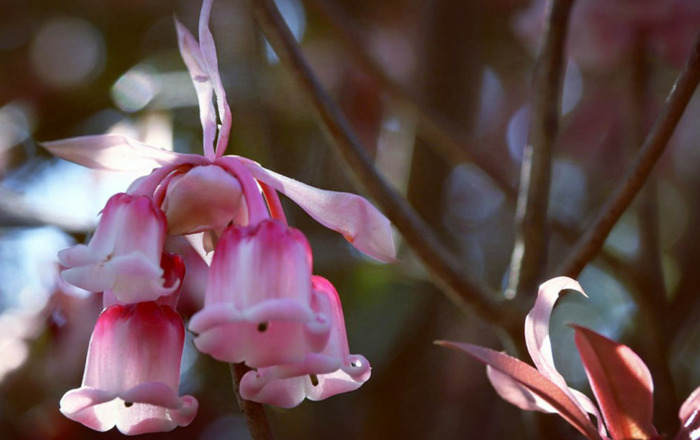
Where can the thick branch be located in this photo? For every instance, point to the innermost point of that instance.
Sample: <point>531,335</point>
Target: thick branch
<point>529,255</point>
<point>254,412</point>
<point>655,143</point>
<point>466,291</point>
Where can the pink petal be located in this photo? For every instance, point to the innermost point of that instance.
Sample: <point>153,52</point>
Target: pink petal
<point>132,372</point>
<point>257,305</point>
<point>621,383</point>
<point>192,56</point>
<point>535,382</point>
<point>349,214</point>
<point>204,198</point>
<point>112,152</point>
<point>208,51</point>
<point>319,375</point>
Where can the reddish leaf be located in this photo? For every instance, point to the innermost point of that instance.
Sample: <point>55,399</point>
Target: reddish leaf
<point>533,381</point>
<point>621,383</point>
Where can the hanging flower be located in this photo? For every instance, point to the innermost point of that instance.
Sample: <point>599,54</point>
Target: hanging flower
<point>319,375</point>
<point>132,372</point>
<point>261,306</point>
<point>349,214</point>
<point>258,301</point>
<point>124,254</point>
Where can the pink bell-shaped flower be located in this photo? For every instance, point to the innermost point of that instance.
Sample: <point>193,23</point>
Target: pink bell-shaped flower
<point>124,254</point>
<point>203,198</point>
<point>257,306</point>
<point>132,372</point>
<point>320,375</point>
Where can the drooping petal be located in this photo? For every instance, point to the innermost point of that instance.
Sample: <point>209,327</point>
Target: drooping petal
<point>349,214</point>
<point>113,152</point>
<point>621,383</point>
<point>535,382</point>
<point>208,51</point>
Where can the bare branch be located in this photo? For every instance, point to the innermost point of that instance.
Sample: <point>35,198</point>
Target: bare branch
<point>454,146</point>
<point>655,143</point>
<point>441,135</point>
<point>529,254</point>
<point>466,291</point>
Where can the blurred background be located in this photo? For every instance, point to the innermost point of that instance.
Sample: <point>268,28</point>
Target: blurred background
<point>79,67</point>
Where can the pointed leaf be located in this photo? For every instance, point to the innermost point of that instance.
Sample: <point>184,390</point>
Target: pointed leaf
<point>537,326</point>
<point>353,216</point>
<point>534,382</point>
<point>621,383</point>
<point>540,347</point>
<point>112,152</point>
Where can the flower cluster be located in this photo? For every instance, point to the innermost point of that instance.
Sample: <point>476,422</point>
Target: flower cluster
<point>262,304</point>
<point>620,380</point>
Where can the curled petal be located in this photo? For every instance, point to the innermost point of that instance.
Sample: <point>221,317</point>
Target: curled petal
<point>535,383</point>
<point>349,214</point>
<point>192,56</point>
<point>114,152</point>
<point>208,51</point>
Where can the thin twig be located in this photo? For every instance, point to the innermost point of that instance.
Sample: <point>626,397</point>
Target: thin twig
<point>254,412</point>
<point>466,291</point>
<point>655,143</point>
<point>529,254</point>
<point>438,132</point>
<point>441,135</point>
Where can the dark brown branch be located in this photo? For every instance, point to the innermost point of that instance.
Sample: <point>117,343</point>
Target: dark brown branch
<point>439,133</point>
<point>655,143</point>
<point>254,412</point>
<point>466,291</point>
<point>529,254</point>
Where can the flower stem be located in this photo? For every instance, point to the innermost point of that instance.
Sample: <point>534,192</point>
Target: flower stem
<point>253,412</point>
